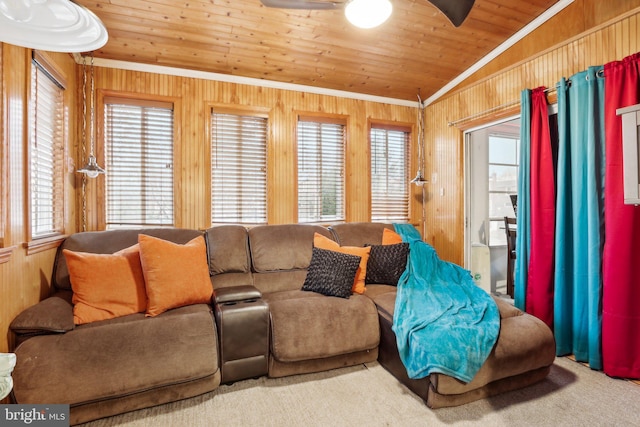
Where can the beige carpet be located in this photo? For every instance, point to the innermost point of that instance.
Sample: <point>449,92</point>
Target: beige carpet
<point>572,395</point>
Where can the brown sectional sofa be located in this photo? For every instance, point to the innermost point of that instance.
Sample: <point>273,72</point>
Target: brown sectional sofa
<point>260,322</point>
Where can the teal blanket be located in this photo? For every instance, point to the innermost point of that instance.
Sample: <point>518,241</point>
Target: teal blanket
<point>443,322</point>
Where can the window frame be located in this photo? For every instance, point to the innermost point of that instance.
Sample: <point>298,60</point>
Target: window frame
<point>333,119</point>
<point>52,238</point>
<point>496,223</point>
<point>102,96</point>
<point>257,112</point>
<point>408,129</point>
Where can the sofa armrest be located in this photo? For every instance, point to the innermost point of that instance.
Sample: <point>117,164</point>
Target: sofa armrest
<point>236,294</point>
<point>52,315</point>
<point>506,309</point>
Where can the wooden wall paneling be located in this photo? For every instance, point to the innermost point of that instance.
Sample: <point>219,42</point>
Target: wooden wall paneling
<point>25,279</point>
<point>6,249</point>
<point>281,147</point>
<point>570,23</point>
<point>193,170</point>
<point>609,42</point>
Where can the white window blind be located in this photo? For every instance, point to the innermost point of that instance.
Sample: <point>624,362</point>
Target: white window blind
<point>139,163</point>
<point>389,175</point>
<point>46,154</point>
<point>238,169</point>
<point>320,171</point>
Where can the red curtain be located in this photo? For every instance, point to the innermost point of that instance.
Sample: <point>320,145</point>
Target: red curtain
<point>621,258</point>
<point>539,295</point>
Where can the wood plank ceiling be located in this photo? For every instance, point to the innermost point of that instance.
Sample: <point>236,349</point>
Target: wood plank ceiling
<point>416,51</point>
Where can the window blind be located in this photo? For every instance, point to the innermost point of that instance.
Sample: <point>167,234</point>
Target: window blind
<point>238,169</point>
<point>139,163</point>
<point>389,175</point>
<point>320,171</point>
<point>46,154</point>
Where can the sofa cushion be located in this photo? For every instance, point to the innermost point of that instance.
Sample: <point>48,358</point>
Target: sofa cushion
<point>386,303</point>
<point>117,358</point>
<point>322,242</point>
<point>228,249</point>
<point>386,263</point>
<point>175,275</point>
<point>282,247</point>
<point>331,273</point>
<point>375,290</point>
<point>359,233</point>
<point>390,237</point>
<point>106,285</point>
<point>307,325</point>
<point>525,344</point>
<point>108,242</point>
<point>281,254</point>
<point>51,315</point>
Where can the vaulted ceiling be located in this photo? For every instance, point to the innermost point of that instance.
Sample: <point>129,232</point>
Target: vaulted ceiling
<point>416,51</point>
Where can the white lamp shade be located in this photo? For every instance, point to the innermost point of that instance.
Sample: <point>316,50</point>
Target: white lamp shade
<point>368,13</point>
<point>52,25</point>
<point>91,169</point>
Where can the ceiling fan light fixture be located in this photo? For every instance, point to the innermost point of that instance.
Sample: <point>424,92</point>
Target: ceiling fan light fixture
<point>53,25</point>
<point>368,13</point>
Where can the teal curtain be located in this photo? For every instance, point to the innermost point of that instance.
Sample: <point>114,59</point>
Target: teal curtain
<point>580,217</point>
<point>523,235</point>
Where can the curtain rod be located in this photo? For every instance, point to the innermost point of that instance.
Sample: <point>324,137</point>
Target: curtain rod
<point>599,73</point>
<point>484,113</point>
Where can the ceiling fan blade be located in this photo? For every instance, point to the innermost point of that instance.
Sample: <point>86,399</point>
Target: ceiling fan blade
<point>303,4</point>
<point>455,10</point>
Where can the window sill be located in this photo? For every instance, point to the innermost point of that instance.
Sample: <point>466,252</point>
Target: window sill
<point>44,244</point>
<point>5,254</point>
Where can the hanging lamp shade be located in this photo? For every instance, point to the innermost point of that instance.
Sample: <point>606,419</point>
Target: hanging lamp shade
<point>419,179</point>
<point>91,169</point>
<point>52,25</point>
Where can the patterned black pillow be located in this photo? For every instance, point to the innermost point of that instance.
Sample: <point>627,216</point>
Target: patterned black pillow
<point>331,273</point>
<point>386,263</point>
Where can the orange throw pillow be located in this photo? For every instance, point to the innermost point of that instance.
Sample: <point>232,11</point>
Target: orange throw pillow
<point>390,237</point>
<point>106,285</point>
<point>175,275</point>
<point>319,241</point>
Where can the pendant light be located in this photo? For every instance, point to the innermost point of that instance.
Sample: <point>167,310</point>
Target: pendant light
<point>419,179</point>
<point>91,169</point>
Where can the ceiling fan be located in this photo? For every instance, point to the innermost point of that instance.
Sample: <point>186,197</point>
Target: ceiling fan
<point>455,10</point>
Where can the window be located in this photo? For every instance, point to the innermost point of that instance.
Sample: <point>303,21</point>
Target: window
<point>139,163</point>
<point>46,151</point>
<point>238,168</point>
<point>389,174</point>
<point>320,170</point>
<point>503,183</point>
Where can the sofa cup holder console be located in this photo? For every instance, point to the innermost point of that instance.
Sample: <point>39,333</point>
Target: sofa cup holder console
<point>242,318</point>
